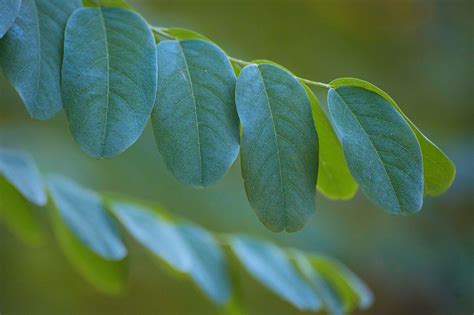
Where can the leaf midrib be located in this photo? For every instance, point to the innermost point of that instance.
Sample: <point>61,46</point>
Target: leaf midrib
<point>373,147</point>
<point>104,129</point>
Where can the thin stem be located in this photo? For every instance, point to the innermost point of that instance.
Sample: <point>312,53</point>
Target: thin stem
<point>162,31</point>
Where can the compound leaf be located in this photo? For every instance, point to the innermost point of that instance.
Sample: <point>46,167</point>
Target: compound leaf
<point>269,265</point>
<point>439,171</point>
<point>381,150</point>
<point>194,120</point>
<point>31,54</point>
<point>109,78</point>
<point>21,185</point>
<point>279,146</point>
<point>8,12</point>
<point>334,179</point>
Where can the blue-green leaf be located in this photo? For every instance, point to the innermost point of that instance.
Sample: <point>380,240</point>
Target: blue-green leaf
<point>82,212</point>
<point>31,54</point>
<point>439,171</point>
<point>155,233</point>
<point>334,179</point>
<point>8,12</point>
<point>195,122</point>
<point>109,78</point>
<point>20,186</point>
<point>279,146</point>
<point>269,265</point>
<point>209,267</point>
<point>381,150</point>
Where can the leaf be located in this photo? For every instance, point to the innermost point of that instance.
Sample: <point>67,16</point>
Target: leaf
<point>21,184</point>
<point>269,265</point>
<point>31,54</point>
<point>279,147</point>
<point>83,213</point>
<point>209,268</point>
<point>183,33</point>
<point>195,122</point>
<point>155,233</point>
<point>107,3</point>
<point>109,78</point>
<point>88,235</point>
<point>8,12</point>
<point>352,290</point>
<point>334,179</point>
<point>381,150</point>
<point>439,170</point>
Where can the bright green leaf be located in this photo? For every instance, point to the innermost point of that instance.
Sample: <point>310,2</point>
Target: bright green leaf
<point>439,171</point>
<point>82,212</point>
<point>279,146</point>
<point>269,265</point>
<point>109,78</point>
<point>381,150</point>
<point>352,291</point>
<point>31,54</point>
<point>209,267</point>
<point>8,12</point>
<point>182,34</point>
<point>159,236</point>
<point>195,121</point>
<point>106,3</point>
<point>334,179</point>
<point>20,187</point>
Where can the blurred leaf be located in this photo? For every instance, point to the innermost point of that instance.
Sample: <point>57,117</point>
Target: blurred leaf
<point>20,170</point>
<point>381,150</point>
<point>195,122</point>
<point>8,12</point>
<point>109,78</point>
<point>209,268</point>
<point>279,147</point>
<point>82,212</point>
<point>109,276</point>
<point>20,184</point>
<point>269,265</point>
<point>439,171</point>
<point>349,287</point>
<point>334,179</point>
<point>31,54</point>
<point>107,3</point>
<point>333,303</point>
<point>159,236</point>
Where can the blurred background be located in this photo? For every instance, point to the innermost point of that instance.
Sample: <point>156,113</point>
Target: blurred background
<point>420,52</point>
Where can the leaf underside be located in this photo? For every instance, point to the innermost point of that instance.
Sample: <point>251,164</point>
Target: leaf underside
<point>109,78</point>
<point>8,12</point>
<point>381,150</point>
<point>279,152</point>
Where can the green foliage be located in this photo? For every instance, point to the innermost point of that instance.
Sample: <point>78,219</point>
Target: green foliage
<point>439,171</point>
<point>84,223</point>
<point>8,11</point>
<point>195,122</point>
<point>113,78</point>
<point>334,179</point>
<point>109,90</point>
<point>31,54</point>
<point>381,150</point>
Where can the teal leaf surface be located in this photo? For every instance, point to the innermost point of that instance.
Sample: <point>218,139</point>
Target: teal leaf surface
<point>195,121</point>
<point>381,150</point>
<point>109,78</point>
<point>82,212</point>
<point>279,146</point>
<point>8,11</point>
<point>31,54</point>
<point>269,265</point>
